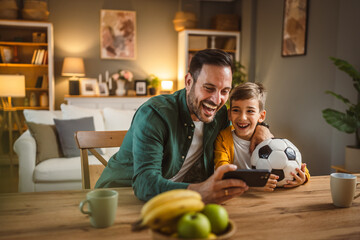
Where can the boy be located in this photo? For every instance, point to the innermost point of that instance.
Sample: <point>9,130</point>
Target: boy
<point>247,110</point>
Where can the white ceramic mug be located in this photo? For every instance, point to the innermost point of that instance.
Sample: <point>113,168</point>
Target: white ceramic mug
<point>343,187</point>
<point>102,206</point>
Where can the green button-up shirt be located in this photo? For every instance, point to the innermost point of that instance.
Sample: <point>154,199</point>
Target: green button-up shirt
<point>156,145</point>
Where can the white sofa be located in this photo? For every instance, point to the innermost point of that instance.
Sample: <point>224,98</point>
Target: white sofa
<point>62,173</point>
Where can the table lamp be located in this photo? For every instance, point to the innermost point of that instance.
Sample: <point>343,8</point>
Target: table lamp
<point>11,86</point>
<point>73,67</point>
<point>167,86</point>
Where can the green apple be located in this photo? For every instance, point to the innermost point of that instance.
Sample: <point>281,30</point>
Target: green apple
<point>193,225</point>
<point>218,217</point>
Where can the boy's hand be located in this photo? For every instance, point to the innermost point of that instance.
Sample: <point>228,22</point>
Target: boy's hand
<point>271,183</point>
<point>299,179</point>
<point>261,133</point>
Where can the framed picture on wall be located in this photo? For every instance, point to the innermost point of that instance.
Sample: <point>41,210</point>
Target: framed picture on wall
<point>141,87</point>
<point>88,86</point>
<point>294,28</point>
<point>117,34</point>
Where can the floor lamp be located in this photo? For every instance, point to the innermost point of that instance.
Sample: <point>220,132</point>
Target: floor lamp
<point>10,86</point>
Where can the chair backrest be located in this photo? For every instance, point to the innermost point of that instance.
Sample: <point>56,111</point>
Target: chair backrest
<point>90,140</point>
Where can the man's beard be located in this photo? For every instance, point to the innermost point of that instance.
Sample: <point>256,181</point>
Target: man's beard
<point>195,106</point>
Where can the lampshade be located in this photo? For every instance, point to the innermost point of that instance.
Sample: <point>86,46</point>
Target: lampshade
<point>73,67</point>
<point>167,85</point>
<point>12,85</point>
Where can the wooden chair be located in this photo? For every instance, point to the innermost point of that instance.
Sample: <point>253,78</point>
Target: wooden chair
<point>89,140</point>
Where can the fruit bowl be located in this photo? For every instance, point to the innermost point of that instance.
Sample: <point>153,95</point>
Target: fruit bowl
<point>226,235</point>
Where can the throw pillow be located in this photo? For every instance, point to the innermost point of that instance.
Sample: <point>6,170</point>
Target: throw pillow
<point>41,116</point>
<point>47,143</point>
<point>66,129</point>
<point>74,112</point>
<point>116,119</point>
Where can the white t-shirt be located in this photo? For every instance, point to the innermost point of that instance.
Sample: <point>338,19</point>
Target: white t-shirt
<point>195,151</point>
<point>241,152</point>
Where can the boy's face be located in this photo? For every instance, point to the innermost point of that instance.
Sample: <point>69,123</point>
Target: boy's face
<point>244,115</point>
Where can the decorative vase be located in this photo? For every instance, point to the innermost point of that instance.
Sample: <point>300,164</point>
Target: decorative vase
<point>352,159</point>
<point>120,88</point>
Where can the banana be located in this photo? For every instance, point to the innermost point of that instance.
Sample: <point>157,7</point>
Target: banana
<point>162,214</point>
<point>169,196</point>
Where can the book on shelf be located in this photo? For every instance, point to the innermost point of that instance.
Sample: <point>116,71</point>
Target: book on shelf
<point>34,56</point>
<point>45,80</point>
<point>39,57</point>
<point>39,82</point>
<point>45,58</point>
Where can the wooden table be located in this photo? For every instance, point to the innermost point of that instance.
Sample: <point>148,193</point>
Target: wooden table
<point>305,212</point>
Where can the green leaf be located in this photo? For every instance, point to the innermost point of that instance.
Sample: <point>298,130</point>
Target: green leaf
<point>340,121</point>
<point>347,68</point>
<point>338,96</point>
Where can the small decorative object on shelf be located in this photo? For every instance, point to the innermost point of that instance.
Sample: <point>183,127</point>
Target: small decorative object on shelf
<point>44,100</point>
<point>33,99</point>
<point>153,84</point>
<point>120,88</point>
<point>122,77</point>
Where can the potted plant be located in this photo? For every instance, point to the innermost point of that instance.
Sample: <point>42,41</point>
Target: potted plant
<point>153,83</point>
<point>238,76</point>
<point>348,121</point>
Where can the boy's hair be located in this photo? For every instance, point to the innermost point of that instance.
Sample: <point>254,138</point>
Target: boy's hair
<point>249,90</point>
<point>215,57</point>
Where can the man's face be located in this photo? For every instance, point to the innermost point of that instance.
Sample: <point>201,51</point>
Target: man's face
<point>209,93</point>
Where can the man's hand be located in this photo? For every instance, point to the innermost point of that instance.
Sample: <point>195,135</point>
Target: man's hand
<point>299,179</point>
<point>217,190</point>
<point>261,133</point>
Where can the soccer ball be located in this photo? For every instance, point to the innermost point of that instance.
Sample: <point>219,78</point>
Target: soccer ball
<point>278,155</point>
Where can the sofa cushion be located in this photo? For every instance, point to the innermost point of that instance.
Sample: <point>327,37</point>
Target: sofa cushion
<point>73,112</point>
<point>41,116</point>
<point>61,169</point>
<point>116,119</point>
<point>66,129</point>
<point>47,143</point>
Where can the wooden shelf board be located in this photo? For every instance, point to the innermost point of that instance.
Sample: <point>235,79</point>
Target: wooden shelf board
<point>37,89</point>
<point>21,65</point>
<point>22,44</point>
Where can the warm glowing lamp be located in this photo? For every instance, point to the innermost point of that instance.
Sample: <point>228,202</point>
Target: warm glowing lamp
<point>11,86</point>
<point>166,86</point>
<point>73,67</point>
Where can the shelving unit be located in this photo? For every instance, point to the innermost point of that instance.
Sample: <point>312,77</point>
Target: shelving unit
<point>18,36</point>
<point>192,40</point>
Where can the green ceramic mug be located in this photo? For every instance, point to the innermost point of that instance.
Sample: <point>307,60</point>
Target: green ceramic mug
<point>102,206</point>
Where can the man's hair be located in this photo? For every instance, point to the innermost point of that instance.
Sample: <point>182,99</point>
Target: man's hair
<point>247,91</point>
<point>211,57</point>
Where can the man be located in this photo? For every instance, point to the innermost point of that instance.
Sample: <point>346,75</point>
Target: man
<point>170,142</point>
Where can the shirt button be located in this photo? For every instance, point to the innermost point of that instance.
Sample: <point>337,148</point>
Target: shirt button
<point>192,125</point>
<point>189,137</point>
<point>182,156</point>
<point>185,124</point>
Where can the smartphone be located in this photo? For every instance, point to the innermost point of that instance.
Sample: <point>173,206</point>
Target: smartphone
<point>252,177</point>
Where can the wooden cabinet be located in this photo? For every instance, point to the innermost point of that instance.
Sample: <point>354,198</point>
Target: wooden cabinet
<point>21,39</point>
<point>192,40</point>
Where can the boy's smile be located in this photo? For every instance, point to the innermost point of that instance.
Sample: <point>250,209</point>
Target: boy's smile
<point>244,115</point>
